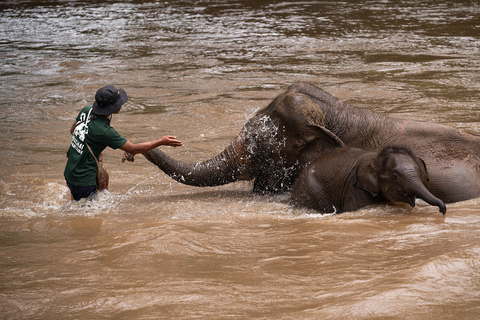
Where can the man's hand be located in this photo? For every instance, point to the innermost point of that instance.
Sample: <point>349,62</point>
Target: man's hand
<point>141,147</point>
<point>171,141</point>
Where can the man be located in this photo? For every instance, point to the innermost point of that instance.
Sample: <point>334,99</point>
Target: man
<point>92,129</point>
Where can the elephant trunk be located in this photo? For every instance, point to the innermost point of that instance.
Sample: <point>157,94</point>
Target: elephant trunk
<point>420,191</point>
<point>230,165</point>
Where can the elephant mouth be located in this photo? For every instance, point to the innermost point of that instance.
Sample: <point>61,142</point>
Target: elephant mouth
<point>411,200</point>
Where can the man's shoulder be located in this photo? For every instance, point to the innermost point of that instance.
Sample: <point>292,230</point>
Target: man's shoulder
<point>85,110</point>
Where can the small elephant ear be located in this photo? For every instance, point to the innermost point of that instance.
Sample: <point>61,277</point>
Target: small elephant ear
<point>424,168</point>
<point>366,179</point>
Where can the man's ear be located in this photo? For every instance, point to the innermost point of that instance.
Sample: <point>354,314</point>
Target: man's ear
<point>366,179</point>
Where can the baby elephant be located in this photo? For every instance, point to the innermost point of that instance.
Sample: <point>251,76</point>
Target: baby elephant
<point>346,179</point>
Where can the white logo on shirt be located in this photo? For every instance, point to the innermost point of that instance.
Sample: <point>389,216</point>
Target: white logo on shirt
<point>79,133</point>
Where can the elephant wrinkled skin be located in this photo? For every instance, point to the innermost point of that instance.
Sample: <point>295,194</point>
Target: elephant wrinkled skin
<point>270,144</point>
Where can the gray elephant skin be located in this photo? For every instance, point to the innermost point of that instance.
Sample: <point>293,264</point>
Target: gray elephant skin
<point>270,144</point>
<point>346,179</point>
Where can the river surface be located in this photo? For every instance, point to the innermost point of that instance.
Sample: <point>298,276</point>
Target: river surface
<point>151,248</point>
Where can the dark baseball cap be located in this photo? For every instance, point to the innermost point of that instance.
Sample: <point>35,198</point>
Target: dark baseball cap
<point>108,100</point>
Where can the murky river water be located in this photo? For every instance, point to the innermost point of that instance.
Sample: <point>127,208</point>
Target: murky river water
<point>151,248</point>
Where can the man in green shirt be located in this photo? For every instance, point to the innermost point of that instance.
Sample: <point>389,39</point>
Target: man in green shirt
<point>92,128</point>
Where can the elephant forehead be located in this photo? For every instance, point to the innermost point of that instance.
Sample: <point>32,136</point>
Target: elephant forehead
<point>399,161</point>
<point>312,112</point>
<point>294,105</point>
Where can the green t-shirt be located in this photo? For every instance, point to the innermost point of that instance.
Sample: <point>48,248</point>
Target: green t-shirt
<point>81,168</point>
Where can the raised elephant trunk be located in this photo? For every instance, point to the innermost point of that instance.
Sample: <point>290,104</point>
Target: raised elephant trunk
<point>254,154</point>
<point>230,165</point>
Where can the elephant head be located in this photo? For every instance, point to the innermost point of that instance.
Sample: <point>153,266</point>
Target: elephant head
<point>267,148</point>
<point>398,175</point>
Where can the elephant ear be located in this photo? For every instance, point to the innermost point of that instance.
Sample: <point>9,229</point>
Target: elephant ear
<point>366,179</point>
<point>326,134</point>
<point>317,142</point>
<point>303,120</point>
<point>425,176</point>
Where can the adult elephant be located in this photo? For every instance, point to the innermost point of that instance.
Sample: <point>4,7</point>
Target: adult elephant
<point>271,142</point>
<point>347,178</point>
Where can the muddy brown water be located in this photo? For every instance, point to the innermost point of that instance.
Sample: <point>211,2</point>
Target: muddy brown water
<point>151,248</point>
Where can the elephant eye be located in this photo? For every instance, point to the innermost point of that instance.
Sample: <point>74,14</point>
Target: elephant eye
<point>395,176</point>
